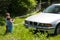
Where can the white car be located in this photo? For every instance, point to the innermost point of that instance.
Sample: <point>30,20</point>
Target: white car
<point>48,20</point>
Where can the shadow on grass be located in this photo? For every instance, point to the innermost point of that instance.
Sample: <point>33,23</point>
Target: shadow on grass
<point>41,32</point>
<point>51,35</point>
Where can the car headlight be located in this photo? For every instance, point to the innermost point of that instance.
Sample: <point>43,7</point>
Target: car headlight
<point>49,25</point>
<point>45,25</point>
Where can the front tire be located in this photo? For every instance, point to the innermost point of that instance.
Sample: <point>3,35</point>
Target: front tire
<point>57,30</point>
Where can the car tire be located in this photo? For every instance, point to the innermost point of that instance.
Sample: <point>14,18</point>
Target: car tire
<point>57,30</point>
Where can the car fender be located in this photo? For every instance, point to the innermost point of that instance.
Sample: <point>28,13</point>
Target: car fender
<point>57,22</point>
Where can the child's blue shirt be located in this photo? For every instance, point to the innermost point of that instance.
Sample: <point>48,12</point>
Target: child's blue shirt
<point>9,24</point>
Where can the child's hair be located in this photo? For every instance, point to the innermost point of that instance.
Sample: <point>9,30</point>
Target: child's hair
<point>8,16</point>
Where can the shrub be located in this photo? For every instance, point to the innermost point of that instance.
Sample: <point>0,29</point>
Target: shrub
<point>17,7</point>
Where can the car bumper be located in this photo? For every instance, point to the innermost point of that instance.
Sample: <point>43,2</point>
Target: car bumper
<point>49,30</point>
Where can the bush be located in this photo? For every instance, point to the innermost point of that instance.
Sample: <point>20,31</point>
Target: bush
<point>20,7</point>
<point>17,7</point>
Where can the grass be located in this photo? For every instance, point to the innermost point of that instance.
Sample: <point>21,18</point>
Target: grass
<point>19,32</point>
<point>22,33</point>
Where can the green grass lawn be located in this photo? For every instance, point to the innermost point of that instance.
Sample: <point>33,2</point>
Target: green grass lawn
<point>22,33</point>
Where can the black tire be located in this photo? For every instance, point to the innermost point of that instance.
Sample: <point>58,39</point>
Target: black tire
<point>57,30</point>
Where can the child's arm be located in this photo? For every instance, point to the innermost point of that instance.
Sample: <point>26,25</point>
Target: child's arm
<point>11,20</point>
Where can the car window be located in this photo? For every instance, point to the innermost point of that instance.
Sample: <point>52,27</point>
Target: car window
<point>52,9</point>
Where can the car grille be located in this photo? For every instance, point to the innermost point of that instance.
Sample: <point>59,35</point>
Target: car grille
<point>33,23</point>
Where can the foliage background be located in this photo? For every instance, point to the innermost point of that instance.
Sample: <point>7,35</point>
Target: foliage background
<point>17,7</point>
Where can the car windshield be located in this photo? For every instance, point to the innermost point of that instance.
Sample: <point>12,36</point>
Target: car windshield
<point>52,9</point>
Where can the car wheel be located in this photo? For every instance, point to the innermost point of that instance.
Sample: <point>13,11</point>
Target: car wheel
<point>57,30</point>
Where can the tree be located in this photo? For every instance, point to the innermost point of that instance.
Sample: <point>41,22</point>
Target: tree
<point>17,7</point>
<point>21,7</point>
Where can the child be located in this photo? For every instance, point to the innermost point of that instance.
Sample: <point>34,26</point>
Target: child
<point>9,23</point>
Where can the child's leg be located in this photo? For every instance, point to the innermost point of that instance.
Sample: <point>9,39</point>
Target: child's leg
<point>10,29</point>
<point>6,30</point>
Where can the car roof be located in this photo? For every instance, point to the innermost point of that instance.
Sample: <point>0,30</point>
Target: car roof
<point>55,4</point>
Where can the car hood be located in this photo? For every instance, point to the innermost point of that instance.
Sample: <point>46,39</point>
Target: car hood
<point>44,17</point>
